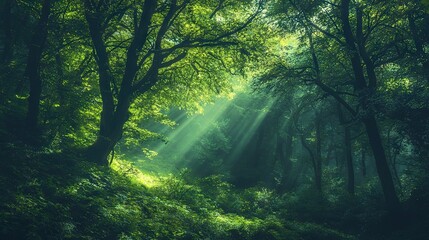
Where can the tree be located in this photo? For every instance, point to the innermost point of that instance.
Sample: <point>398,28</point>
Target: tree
<point>357,55</point>
<point>347,151</point>
<point>290,131</point>
<point>7,28</point>
<point>351,47</point>
<point>154,38</point>
<point>32,70</point>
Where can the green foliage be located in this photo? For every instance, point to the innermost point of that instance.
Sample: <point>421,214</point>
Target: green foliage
<point>59,196</point>
<point>295,49</point>
<point>317,232</point>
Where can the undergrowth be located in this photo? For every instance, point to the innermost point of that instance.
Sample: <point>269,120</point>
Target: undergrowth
<point>60,196</point>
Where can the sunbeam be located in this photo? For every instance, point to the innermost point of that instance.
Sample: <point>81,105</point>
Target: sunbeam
<point>184,145</point>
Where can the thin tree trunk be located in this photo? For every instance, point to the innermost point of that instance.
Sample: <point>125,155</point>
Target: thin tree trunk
<point>286,145</point>
<point>7,28</point>
<point>392,155</point>
<point>288,181</point>
<point>32,71</point>
<point>363,160</point>
<point>318,79</point>
<point>347,152</point>
<point>312,158</point>
<point>60,80</point>
<point>349,160</point>
<point>318,156</point>
<point>315,157</point>
<point>395,172</point>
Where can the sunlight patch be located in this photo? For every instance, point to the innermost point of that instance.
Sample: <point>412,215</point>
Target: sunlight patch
<point>135,175</point>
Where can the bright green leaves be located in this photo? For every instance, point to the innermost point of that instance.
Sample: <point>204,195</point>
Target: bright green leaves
<point>403,85</point>
<point>183,55</point>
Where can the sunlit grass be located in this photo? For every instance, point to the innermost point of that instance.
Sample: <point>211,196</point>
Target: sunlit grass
<point>134,174</point>
<point>233,220</point>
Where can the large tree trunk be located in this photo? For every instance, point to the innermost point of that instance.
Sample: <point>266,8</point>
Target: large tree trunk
<point>110,134</point>
<point>114,116</point>
<point>32,71</point>
<point>381,164</point>
<point>99,151</point>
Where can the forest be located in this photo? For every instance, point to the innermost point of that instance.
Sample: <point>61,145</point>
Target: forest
<point>214,119</point>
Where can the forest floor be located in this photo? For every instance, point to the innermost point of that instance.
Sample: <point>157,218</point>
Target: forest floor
<point>59,196</point>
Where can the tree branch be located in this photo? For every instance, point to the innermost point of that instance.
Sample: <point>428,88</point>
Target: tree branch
<point>174,60</point>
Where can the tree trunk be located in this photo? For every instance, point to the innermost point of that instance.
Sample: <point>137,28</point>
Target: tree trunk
<point>290,177</point>
<point>32,71</point>
<point>114,116</point>
<point>363,160</point>
<point>110,134</point>
<point>318,156</point>
<point>381,164</point>
<point>99,151</point>
<point>7,28</point>
<point>347,152</point>
<point>365,92</point>
<point>286,144</point>
<point>349,160</point>
<point>315,157</point>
